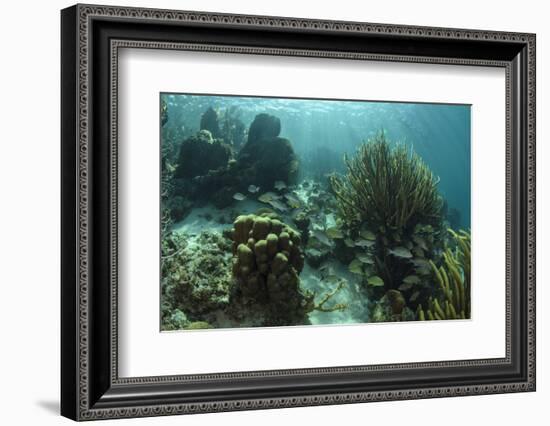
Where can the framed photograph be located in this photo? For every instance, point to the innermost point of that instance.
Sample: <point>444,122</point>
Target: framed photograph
<point>263,212</point>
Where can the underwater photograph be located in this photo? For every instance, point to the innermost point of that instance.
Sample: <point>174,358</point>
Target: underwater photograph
<point>292,212</point>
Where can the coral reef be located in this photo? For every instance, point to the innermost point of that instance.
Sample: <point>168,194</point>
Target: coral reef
<point>267,261</point>
<point>251,237</point>
<point>453,279</point>
<point>196,278</point>
<point>177,207</point>
<point>391,195</point>
<point>200,154</point>
<point>206,170</point>
<point>302,221</point>
<point>391,307</point>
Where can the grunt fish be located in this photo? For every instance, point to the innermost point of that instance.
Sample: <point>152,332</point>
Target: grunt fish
<point>356,267</point>
<point>334,233</point>
<point>375,281</point>
<point>401,252</point>
<point>239,197</point>
<point>279,185</point>
<point>253,189</point>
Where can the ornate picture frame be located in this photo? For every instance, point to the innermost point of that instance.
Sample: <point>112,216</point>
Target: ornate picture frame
<point>91,37</point>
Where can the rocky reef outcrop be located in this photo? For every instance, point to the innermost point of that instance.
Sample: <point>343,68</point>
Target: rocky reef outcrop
<point>264,126</point>
<point>197,279</point>
<point>209,121</point>
<point>267,158</point>
<point>201,154</point>
<point>207,172</point>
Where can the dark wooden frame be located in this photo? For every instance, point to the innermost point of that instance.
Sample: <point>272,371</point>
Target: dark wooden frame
<point>90,386</point>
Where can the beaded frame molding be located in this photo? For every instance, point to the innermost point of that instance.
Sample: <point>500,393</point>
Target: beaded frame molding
<point>91,38</point>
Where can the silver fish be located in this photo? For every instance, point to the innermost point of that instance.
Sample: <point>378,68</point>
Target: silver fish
<point>239,197</point>
<point>279,185</point>
<point>292,201</point>
<point>364,243</point>
<point>267,197</point>
<point>401,252</point>
<point>364,258</point>
<point>253,189</point>
<point>278,205</point>
<point>322,237</point>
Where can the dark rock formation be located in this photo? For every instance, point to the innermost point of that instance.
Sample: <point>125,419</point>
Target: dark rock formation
<point>200,154</point>
<point>266,156</point>
<point>210,122</point>
<point>163,112</point>
<point>264,126</point>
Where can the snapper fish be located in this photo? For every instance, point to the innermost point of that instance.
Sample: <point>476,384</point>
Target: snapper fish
<point>278,205</point>
<point>253,189</point>
<point>364,258</point>
<point>349,243</point>
<point>367,235</point>
<point>279,185</point>
<point>411,279</point>
<point>239,197</point>
<point>418,252</point>
<point>355,267</point>
<point>268,197</point>
<point>404,287</point>
<point>420,242</point>
<point>364,243</point>
<point>421,263</point>
<point>313,252</point>
<point>334,233</point>
<point>375,281</point>
<point>401,252</point>
<point>322,238</point>
<point>292,201</point>
<point>414,296</point>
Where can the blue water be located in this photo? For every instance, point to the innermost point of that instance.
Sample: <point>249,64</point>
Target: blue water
<point>322,131</point>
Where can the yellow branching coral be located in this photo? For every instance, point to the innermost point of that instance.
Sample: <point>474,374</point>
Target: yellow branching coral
<point>453,278</point>
<point>386,187</point>
<point>328,296</point>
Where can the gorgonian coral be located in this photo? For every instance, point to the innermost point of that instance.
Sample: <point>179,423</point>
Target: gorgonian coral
<point>385,186</point>
<point>453,280</point>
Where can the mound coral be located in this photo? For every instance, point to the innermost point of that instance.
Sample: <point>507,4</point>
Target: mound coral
<point>453,279</point>
<point>267,262</point>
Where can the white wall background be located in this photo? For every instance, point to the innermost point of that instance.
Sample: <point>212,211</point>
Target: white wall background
<point>29,213</point>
